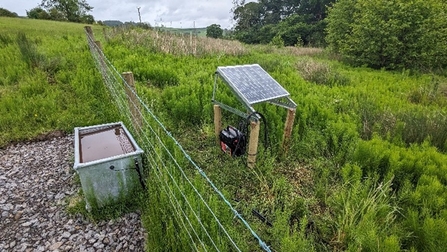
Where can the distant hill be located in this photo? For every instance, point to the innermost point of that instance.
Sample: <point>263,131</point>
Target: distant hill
<point>201,32</point>
<point>112,22</point>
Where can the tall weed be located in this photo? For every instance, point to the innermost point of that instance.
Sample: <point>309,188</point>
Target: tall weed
<point>29,52</point>
<point>173,43</point>
<point>365,217</point>
<point>5,40</point>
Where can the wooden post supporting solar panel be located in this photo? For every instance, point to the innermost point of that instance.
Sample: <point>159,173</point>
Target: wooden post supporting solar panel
<point>288,129</point>
<point>134,104</point>
<point>253,143</point>
<point>217,122</point>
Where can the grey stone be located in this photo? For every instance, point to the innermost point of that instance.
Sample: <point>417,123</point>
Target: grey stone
<point>27,224</point>
<point>7,207</point>
<point>56,245</point>
<point>34,177</point>
<point>98,245</point>
<point>66,235</point>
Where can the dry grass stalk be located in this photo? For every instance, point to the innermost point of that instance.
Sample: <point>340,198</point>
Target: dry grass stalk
<point>177,44</point>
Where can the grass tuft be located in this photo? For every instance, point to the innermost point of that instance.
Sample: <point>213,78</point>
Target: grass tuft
<point>29,52</point>
<point>320,73</point>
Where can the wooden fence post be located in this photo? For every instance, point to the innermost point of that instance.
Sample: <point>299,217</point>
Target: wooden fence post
<point>98,43</point>
<point>217,122</point>
<point>104,32</point>
<point>288,129</point>
<point>134,104</point>
<point>89,31</point>
<point>253,143</point>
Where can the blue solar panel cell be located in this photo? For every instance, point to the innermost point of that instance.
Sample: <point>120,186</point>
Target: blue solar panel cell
<point>252,83</point>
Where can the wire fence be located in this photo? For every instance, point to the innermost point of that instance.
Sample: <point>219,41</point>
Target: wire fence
<point>185,208</point>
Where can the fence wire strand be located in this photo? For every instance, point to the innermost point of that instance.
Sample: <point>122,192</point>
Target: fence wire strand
<point>152,145</point>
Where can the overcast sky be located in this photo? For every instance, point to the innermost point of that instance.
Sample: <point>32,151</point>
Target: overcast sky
<point>171,13</point>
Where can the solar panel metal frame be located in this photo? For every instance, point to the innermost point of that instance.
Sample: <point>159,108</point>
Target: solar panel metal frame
<point>243,78</point>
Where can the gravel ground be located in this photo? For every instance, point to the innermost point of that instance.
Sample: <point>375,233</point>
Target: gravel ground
<point>36,179</point>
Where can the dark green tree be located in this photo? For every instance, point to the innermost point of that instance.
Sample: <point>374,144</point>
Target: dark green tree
<point>7,13</point>
<point>56,15</point>
<point>297,22</point>
<point>248,19</point>
<point>390,34</point>
<point>214,31</point>
<point>38,13</point>
<point>272,11</point>
<point>71,10</point>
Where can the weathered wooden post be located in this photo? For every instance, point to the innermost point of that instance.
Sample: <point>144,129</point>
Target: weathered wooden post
<point>89,31</point>
<point>134,104</point>
<point>217,122</point>
<point>97,51</point>
<point>253,143</point>
<point>288,129</point>
<point>104,32</point>
<point>98,44</point>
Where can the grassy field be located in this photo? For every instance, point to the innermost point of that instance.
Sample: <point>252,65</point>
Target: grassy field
<point>48,80</point>
<point>367,166</point>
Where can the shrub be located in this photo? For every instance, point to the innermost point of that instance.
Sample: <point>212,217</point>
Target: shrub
<point>389,34</point>
<point>277,41</point>
<point>38,13</point>
<point>7,13</point>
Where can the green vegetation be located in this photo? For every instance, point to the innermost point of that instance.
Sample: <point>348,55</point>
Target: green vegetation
<point>295,22</point>
<point>6,13</point>
<point>48,80</point>
<point>365,170</point>
<point>390,34</point>
<point>63,10</point>
<point>214,31</point>
<point>378,34</point>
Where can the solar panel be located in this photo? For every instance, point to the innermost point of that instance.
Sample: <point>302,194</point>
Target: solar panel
<point>252,83</point>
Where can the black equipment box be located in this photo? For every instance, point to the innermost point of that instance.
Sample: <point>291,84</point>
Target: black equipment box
<point>233,141</point>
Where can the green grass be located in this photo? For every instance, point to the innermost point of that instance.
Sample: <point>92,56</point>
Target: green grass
<point>49,81</point>
<point>366,168</point>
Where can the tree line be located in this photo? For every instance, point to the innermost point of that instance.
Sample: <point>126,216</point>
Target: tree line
<point>393,34</point>
<point>291,22</point>
<point>63,10</point>
<point>58,10</point>
<point>6,13</point>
